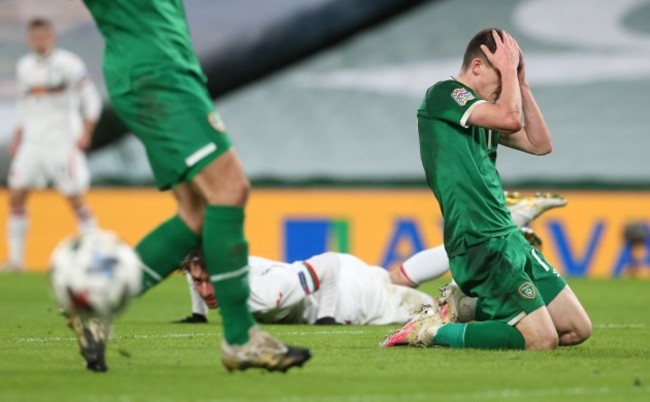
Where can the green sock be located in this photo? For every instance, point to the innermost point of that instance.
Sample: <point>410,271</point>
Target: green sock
<point>480,335</point>
<point>226,257</point>
<point>163,250</point>
<point>479,314</point>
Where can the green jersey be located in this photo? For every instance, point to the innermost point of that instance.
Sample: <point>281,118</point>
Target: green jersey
<point>141,35</point>
<point>460,166</point>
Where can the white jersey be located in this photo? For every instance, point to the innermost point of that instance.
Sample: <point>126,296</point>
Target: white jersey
<point>294,293</point>
<point>55,95</point>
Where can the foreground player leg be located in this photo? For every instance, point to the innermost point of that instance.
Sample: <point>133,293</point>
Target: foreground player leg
<point>16,230</point>
<point>92,335</point>
<point>165,247</point>
<point>225,188</point>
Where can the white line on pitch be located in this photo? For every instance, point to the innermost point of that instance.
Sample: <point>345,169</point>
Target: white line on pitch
<point>181,335</point>
<point>617,326</point>
<point>198,335</point>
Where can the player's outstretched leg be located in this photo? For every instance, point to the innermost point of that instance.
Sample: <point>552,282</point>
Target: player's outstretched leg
<point>225,188</point>
<point>92,335</point>
<point>525,209</point>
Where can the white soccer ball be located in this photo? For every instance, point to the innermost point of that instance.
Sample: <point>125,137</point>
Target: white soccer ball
<point>95,274</point>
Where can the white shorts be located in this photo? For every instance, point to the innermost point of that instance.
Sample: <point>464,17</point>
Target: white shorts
<point>367,297</point>
<point>66,170</point>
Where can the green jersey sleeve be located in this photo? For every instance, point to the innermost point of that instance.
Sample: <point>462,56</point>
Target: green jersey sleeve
<point>449,101</point>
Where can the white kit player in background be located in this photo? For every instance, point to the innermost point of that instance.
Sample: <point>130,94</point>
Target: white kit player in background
<point>58,106</point>
<point>329,288</point>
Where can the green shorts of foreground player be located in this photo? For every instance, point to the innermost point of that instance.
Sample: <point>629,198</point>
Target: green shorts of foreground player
<point>171,112</point>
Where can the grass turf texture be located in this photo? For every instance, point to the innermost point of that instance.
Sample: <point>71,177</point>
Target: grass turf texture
<point>151,359</point>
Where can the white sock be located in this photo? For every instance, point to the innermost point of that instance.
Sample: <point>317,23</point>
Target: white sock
<point>198,305</point>
<point>86,222</point>
<point>426,265</point>
<point>16,234</point>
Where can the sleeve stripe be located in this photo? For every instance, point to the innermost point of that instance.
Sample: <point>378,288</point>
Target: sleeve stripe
<point>313,275</point>
<point>463,120</point>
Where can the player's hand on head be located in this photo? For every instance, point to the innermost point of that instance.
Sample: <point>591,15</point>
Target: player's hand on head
<point>521,68</point>
<point>506,54</point>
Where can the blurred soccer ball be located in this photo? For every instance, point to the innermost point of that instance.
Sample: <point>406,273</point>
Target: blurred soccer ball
<point>95,274</point>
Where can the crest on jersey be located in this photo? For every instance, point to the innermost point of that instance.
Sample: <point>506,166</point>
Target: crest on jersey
<point>527,290</point>
<point>461,96</point>
<point>215,121</point>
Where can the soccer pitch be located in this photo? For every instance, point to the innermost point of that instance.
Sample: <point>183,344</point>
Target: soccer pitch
<point>151,359</point>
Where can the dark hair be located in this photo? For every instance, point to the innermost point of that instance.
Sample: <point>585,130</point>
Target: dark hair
<point>193,258</point>
<point>39,23</point>
<point>473,49</point>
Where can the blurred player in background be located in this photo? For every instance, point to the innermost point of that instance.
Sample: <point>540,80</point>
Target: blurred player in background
<point>158,89</point>
<point>58,106</point>
<point>329,288</point>
<point>427,264</point>
<point>523,302</point>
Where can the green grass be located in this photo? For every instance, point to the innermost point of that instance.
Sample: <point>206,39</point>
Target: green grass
<point>153,360</point>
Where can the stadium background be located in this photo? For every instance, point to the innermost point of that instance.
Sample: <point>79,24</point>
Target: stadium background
<point>320,98</point>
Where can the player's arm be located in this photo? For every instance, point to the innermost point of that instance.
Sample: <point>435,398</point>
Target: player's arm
<point>91,103</point>
<point>534,137</point>
<point>504,115</point>
<point>327,268</point>
<point>15,141</point>
<point>20,116</point>
<point>91,108</point>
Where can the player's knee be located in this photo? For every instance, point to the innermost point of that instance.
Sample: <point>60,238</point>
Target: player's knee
<point>16,202</point>
<point>584,330</point>
<point>192,216</point>
<point>580,332</point>
<point>241,190</point>
<point>546,340</point>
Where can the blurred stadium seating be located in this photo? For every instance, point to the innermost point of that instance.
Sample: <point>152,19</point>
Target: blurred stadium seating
<point>355,102</point>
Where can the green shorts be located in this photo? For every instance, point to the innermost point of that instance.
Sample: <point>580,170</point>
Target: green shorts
<point>171,112</point>
<point>509,276</point>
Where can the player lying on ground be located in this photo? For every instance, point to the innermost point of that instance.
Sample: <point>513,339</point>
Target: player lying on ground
<point>431,263</point>
<point>329,288</point>
<point>522,300</point>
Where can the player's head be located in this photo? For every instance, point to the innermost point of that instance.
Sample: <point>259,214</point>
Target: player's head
<point>473,49</point>
<point>40,36</point>
<point>477,71</point>
<point>194,264</point>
